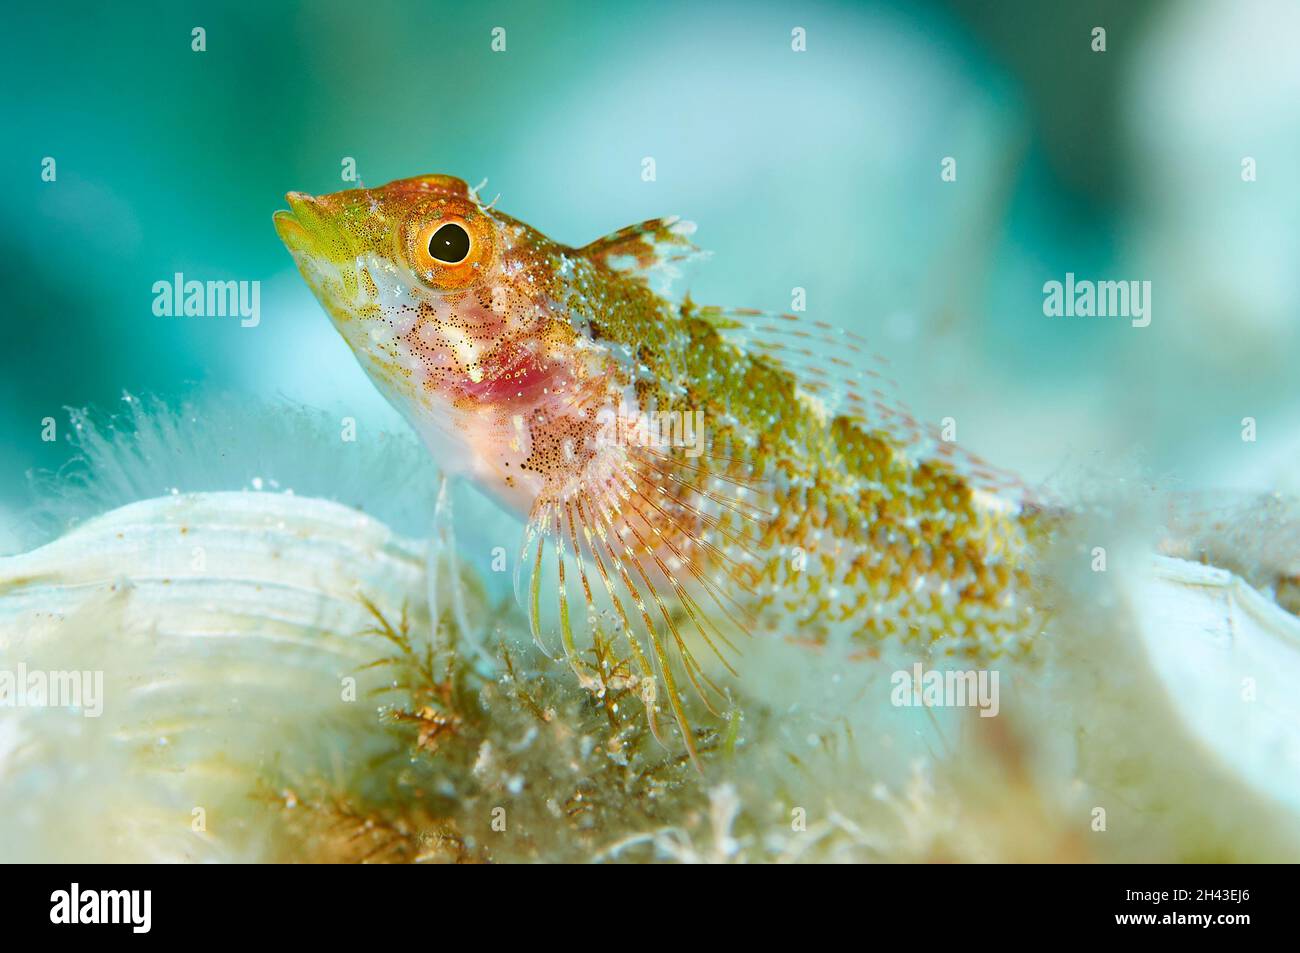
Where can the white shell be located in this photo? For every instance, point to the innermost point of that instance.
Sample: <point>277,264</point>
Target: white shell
<point>1227,663</point>
<point>224,625</point>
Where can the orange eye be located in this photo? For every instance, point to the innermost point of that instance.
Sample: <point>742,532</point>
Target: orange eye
<point>450,251</point>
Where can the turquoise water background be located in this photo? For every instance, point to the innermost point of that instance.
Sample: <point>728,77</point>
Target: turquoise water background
<point>817,169</point>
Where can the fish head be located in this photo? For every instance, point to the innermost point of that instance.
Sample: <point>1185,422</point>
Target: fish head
<point>462,317</point>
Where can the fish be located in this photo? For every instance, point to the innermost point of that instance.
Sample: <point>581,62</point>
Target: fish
<point>688,475</point>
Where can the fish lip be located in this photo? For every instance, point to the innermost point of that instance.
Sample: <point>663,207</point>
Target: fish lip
<point>301,202</point>
<point>299,225</point>
<point>291,231</point>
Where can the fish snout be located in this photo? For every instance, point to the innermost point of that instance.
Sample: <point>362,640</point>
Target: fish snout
<point>303,204</point>
<point>302,225</point>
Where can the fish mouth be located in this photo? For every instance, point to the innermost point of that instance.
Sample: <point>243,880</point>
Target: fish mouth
<point>303,225</point>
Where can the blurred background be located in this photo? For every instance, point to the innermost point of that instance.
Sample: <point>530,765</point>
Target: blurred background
<point>817,169</point>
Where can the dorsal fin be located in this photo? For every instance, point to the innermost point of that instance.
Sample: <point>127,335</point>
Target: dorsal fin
<point>840,369</point>
<point>648,251</point>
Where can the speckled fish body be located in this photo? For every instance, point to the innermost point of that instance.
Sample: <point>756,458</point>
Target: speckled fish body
<point>682,469</point>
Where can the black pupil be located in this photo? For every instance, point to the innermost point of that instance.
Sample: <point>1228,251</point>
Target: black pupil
<point>449,243</point>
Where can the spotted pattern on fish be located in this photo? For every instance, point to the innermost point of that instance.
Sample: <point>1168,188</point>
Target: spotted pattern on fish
<point>816,504</point>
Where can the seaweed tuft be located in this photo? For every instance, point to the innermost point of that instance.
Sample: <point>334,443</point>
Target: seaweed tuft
<point>505,764</point>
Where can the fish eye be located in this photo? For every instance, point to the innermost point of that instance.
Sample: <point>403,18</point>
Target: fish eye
<point>448,248</point>
<point>449,244</point>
